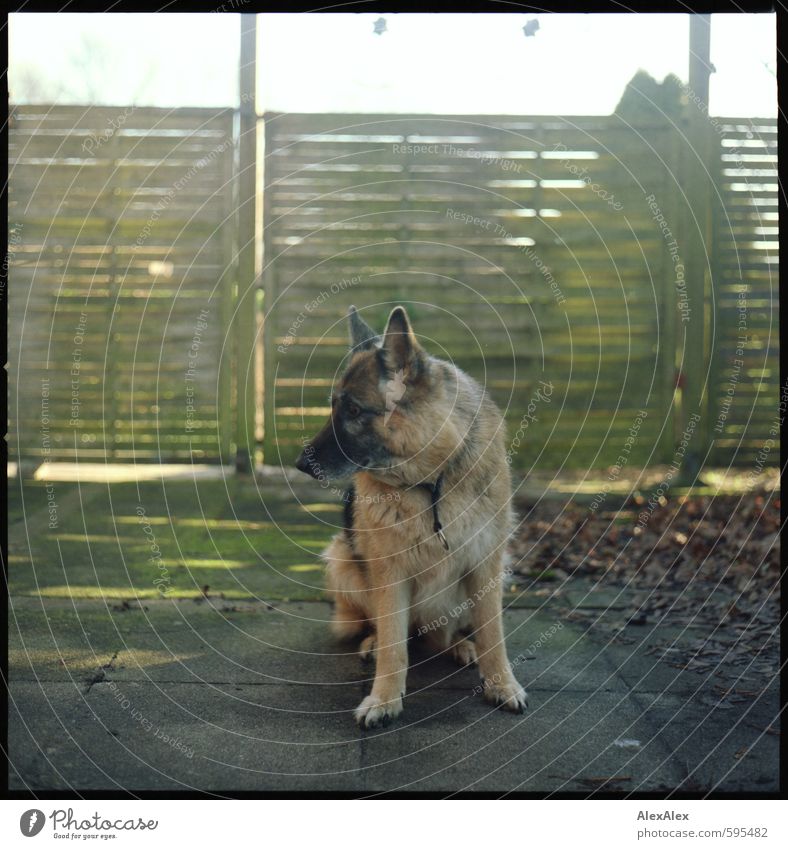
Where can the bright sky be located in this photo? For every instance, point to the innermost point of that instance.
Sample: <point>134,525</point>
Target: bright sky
<point>573,64</point>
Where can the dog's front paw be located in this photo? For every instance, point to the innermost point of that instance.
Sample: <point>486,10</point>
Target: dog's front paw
<point>373,712</point>
<point>508,694</point>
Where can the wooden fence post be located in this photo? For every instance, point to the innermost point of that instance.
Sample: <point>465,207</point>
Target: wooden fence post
<point>674,138</point>
<point>245,306</point>
<point>269,302</point>
<point>697,178</point>
<point>224,423</point>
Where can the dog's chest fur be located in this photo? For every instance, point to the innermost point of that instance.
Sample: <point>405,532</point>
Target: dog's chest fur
<point>394,526</point>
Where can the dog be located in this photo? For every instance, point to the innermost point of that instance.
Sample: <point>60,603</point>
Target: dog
<point>427,517</point>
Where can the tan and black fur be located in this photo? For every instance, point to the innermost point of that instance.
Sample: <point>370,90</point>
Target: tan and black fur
<point>401,423</point>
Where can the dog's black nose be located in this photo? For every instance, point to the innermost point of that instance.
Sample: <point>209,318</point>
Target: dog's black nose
<point>303,464</point>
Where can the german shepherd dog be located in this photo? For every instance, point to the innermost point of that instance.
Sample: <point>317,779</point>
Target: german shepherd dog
<point>427,517</point>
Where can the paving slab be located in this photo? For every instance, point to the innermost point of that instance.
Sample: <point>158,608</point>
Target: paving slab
<point>565,743</point>
<point>730,748</point>
<point>52,741</point>
<point>269,737</point>
<point>183,737</point>
<point>217,642</point>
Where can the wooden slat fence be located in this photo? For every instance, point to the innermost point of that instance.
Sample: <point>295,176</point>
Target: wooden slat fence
<point>524,249</point>
<point>745,378</point>
<point>527,249</point>
<point>121,274</point>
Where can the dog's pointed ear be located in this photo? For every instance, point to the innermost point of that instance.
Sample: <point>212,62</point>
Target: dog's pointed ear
<point>401,348</point>
<point>362,336</point>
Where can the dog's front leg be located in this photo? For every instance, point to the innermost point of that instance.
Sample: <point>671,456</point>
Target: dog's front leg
<point>391,605</point>
<point>485,591</point>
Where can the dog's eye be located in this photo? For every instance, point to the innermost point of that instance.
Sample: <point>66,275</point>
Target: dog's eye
<point>353,410</point>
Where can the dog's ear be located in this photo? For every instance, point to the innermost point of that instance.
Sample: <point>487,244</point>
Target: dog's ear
<point>400,346</point>
<point>362,336</point>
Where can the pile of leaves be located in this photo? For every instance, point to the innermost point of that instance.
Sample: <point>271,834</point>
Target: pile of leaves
<point>706,566</point>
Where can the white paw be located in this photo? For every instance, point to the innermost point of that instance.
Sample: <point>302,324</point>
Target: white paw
<point>507,694</point>
<point>464,653</point>
<point>367,648</point>
<point>373,711</point>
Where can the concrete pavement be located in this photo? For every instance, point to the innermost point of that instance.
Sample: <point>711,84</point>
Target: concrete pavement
<point>232,682</point>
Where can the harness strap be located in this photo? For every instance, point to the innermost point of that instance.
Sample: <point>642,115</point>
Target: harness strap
<point>434,490</point>
<point>349,497</point>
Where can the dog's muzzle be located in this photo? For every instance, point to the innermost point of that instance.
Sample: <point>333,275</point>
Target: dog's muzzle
<point>305,463</point>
